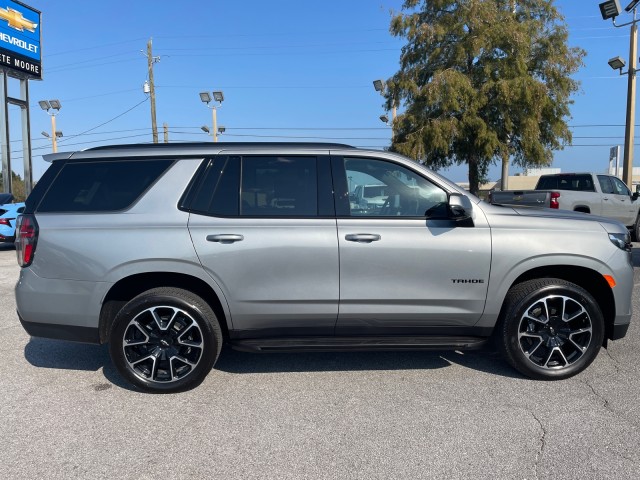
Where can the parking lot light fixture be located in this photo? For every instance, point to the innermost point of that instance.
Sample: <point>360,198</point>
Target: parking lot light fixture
<point>205,129</point>
<point>384,119</point>
<point>610,9</point>
<point>52,107</point>
<point>378,85</point>
<point>221,129</point>
<point>206,97</point>
<point>617,63</point>
<point>45,134</point>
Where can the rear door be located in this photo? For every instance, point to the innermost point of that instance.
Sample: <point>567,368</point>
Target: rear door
<point>401,273</point>
<point>265,231</point>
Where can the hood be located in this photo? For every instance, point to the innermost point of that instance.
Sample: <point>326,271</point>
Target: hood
<point>609,224</point>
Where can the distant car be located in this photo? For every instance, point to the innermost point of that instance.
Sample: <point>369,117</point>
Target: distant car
<point>8,214</point>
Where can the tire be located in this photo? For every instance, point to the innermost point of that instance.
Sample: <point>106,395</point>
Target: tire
<point>551,329</point>
<point>165,340</point>
<point>636,229</point>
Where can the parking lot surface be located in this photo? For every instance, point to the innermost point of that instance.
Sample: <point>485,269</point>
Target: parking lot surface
<point>65,413</point>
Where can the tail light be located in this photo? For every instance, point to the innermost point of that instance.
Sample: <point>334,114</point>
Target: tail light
<point>555,202</point>
<point>26,239</point>
<point>5,221</point>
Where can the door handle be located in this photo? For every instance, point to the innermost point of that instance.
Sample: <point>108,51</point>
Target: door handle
<point>225,238</point>
<point>362,237</point>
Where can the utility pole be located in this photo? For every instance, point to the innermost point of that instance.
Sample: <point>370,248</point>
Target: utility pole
<point>166,132</point>
<point>152,90</point>
<point>629,134</point>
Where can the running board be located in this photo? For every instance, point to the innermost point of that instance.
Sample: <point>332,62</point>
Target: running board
<point>334,344</point>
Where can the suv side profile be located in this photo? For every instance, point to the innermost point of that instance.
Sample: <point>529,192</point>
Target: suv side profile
<point>168,251</point>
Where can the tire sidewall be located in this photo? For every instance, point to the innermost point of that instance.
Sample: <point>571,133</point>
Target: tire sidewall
<point>511,329</point>
<point>197,309</point>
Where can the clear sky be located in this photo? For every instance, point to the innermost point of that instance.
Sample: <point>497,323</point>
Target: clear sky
<point>291,70</point>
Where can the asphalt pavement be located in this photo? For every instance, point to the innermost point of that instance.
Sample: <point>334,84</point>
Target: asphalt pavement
<point>65,413</point>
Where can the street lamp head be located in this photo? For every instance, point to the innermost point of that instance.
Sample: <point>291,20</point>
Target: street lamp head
<point>218,96</point>
<point>384,118</point>
<point>55,104</point>
<point>44,105</point>
<point>205,97</point>
<point>378,85</point>
<point>610,9</point>
<point>45,134</point>
<point>58,133</point>
<point>631,5</point>
<point>221,129</point>
<point>205,129</point>
<point>617,63</point>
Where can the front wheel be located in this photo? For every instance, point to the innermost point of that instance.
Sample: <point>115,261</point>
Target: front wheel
<point>165,340</point>
<point>551,329</point>
<point>636,229</point>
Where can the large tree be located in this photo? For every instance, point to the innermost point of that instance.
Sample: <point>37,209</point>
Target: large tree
<point>482,81</point>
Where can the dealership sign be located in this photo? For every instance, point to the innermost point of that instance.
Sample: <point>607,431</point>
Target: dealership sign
<point>20,39</point>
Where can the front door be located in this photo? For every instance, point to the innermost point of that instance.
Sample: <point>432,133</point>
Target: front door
<point>400,273</point>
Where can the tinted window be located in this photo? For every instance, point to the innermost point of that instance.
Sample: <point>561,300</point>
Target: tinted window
<point>382,188</point>
<point>218,193</point>
<point>101,186</point>
<point>279,186</point>
<point>605,184</point>
<point>582,183</point>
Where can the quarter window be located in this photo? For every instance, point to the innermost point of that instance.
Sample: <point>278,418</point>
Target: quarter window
<point>101,186</point>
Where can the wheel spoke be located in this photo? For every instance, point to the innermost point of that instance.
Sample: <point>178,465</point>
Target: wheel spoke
<point>129,343</point>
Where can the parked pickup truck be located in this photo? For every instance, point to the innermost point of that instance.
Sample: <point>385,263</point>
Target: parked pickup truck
<point>598,194</point>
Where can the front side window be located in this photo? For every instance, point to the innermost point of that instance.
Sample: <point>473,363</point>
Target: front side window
<point>605,184</point>
<point>620,187</point>
<point>378,188</point>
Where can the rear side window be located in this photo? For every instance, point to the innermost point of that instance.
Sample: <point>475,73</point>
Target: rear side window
<point>582,183</point>
<point>101,186</point>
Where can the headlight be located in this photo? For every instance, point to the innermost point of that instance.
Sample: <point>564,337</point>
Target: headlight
<point>621,240</point>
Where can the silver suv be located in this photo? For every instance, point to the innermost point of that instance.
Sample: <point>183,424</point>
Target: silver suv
<point>168,251</point>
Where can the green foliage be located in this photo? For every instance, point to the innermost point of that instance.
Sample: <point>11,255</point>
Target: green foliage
<point>17,187</point>
<point>482,80</point>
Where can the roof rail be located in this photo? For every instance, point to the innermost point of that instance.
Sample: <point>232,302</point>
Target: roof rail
<point>221,145</point>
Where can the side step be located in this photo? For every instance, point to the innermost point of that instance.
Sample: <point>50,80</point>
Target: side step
<point>335,344</point>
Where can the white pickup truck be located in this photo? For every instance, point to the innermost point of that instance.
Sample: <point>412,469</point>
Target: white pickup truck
<point>598,194</point>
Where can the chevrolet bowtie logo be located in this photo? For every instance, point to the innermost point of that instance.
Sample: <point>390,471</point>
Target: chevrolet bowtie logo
<point>15,20</point>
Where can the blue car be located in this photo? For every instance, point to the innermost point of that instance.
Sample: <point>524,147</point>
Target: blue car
<point>8,214</point>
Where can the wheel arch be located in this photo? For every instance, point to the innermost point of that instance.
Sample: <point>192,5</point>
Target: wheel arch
<point>590,280</point>
<point>129,287</point>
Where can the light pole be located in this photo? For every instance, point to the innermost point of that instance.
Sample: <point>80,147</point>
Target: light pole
<point>52,107</point>
<point>206,98</point>
<point>611,9</point>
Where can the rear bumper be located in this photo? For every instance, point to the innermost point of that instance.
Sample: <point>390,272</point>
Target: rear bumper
<point>61,332</point>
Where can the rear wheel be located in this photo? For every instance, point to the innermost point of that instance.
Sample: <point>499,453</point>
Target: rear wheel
<point>551,329</point>
<point>636,229</point>
<point>165,340</point>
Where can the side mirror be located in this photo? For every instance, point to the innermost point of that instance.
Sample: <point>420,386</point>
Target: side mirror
<point>634,196</point>
<point>460,207</point>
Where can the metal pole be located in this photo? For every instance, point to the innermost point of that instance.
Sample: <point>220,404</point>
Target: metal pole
<point>54,138</point>
<point>629,134</point>
<point>26,138</point>
<point>166,132</point>
<point>215,125</point>
<point>4,135</point>
<point>152,93</point>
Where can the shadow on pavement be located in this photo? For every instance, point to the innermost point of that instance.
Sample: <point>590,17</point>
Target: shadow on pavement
<point>635,256</point>
<point>45,353</point>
